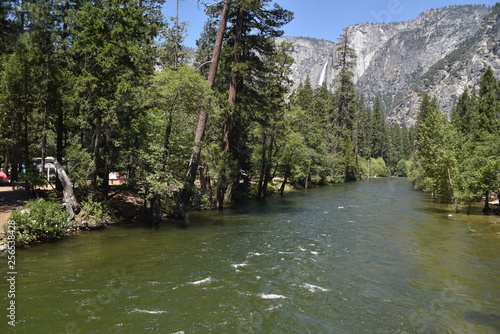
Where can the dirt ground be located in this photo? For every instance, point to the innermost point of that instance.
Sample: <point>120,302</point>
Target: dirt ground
<point>10,200</point>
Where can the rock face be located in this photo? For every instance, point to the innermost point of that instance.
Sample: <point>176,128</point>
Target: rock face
<point>443,51</point>
<point>313,59</point>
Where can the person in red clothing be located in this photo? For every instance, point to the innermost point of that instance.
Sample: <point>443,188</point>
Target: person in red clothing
<point>4,179</point>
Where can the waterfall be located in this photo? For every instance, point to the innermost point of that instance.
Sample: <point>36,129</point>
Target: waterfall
<point>322,77</point>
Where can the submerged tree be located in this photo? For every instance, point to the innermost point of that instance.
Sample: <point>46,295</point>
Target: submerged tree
<point>435,153</point>
<point>476,117</point>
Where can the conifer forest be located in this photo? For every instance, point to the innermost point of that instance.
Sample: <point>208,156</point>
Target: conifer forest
<point>107,88</point>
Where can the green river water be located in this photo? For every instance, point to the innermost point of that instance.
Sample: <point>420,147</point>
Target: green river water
<point>367,257</point>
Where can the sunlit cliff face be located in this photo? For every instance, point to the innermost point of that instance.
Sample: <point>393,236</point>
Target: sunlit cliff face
<point>443,51</point>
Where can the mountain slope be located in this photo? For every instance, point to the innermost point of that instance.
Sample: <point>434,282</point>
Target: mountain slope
<point>442,52</point>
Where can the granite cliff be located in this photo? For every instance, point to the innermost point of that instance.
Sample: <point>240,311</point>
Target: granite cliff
<point>443,51</point>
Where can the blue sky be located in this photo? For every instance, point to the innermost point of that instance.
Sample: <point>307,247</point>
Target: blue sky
<point>323,19</point>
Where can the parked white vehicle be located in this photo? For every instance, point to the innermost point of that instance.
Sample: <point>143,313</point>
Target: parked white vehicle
<point>50,169</point>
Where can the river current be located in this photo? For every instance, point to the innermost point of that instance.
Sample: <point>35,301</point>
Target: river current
<point>367,257</point>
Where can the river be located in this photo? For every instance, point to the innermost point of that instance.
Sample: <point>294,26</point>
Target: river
<point>367,257</point>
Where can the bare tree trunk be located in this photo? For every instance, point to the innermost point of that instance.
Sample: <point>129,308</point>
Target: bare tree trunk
<point>6,160</point>
<point>14,177</point>
<point>308,174</point>
<point>95,158</point>
<point>228,126</point>
<point>267,172</point>
<point>260,188</point>
<point>450,182</point>
<point>205,182</point>
<point>44,155</point>
<point>203,116</point>
<point>186,192</point>
<point>267,175</point>
<point>59,142</point>
<point>282,188</point>
<point>69,198</point>
<point>107,163</point>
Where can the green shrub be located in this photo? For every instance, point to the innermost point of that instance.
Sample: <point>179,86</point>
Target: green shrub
<point>33,178</point>
<point>199,200</point>
<point>378,167</point>
<point>79,165</point>
<point>95,214</point>
<point>403,168</point>
<point>270,190</point>
<point>40,220</point>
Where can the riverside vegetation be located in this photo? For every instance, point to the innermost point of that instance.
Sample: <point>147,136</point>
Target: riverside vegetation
<point>107,86</point>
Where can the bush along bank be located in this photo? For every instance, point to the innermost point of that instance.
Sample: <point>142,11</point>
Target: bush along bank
<point>42,220</point>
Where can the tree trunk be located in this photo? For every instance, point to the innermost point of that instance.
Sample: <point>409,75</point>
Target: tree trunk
<point>220,194</point>
<point>205,182</point>
<point>6,160</point>
<point>233,89</point>
<point>156,209</point>
<point>59,142</point>
<point>203,116</point>
<point>229,193</point>
<point>44,155</point>
<point>14,177</point>
<point>95,158</point>
<point>486,208</point>
<point>260,188</point>
<point>308,173</point>
<point>107,163</point>
<point>233,83</point>
<point>69,198</point>
<point>44,145</point>
<point>268,165</point>
<point>186,193</point>
<point>282,188</point>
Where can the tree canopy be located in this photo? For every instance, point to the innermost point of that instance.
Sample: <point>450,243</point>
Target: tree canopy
<point>106,87</point>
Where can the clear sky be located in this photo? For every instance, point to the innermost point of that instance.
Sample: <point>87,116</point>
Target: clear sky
<point>324,19</point>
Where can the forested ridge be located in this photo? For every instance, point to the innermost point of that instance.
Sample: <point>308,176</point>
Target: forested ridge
<point>105,86</point>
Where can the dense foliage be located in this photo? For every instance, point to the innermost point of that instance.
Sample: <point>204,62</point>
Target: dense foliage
<point>40,220</point>
<point>107,86</point>
<point>459,160</point>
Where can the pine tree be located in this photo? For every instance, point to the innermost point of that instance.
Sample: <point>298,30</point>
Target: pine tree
<point>345,95</point>
<point>378,130</point>
<point>201,126</point>
<point>475,117</point>
<point>346,107</point>
<point>435,153</point>
<point>249,41</point>
<point>464,113</point>
<point>271,115</point>
<point>112,51</point>
<point>489,103</point>
<point>10,28</point>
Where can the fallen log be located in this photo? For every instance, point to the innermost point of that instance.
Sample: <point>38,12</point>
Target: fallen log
<point>69,198</point>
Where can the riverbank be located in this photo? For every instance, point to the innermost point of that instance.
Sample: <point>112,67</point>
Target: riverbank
<point>10,200</point>
<point>124,205</point>
<point>128,207</point>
